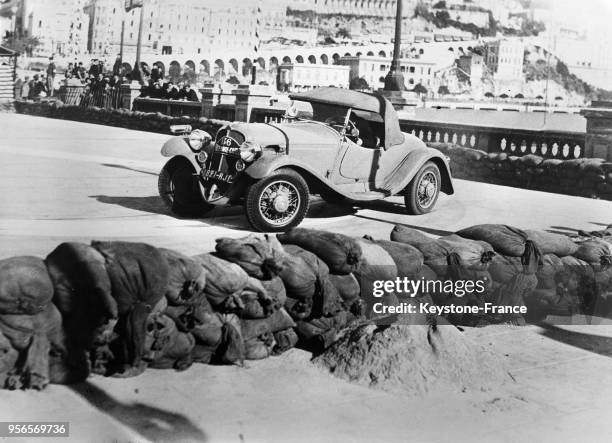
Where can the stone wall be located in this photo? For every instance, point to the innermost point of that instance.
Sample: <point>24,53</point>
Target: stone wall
<point>142,121</point>
<point>585,177</point>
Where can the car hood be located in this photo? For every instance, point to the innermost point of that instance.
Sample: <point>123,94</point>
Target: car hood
<point>288,134</point>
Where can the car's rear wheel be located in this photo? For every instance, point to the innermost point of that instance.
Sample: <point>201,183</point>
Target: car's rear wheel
<point>178,190</point>
<point>422,193</point>
<point>277,202</point>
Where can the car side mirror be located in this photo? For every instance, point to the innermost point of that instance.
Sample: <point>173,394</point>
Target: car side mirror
<point>180,129</point>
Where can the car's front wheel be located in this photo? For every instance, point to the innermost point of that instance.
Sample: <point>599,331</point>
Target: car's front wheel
<point>178,190</point>
<point>423,191</point>
<point>277,202</point>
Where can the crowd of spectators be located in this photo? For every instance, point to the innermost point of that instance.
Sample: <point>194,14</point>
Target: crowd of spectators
<point>169,90</point>
<point>101,84</point>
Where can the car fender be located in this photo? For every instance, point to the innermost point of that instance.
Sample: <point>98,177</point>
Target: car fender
<point>409,167</point>
<point>177,146</point>
<point>267,164</point>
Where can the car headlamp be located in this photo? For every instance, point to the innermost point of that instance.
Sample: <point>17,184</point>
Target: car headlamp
<point>249,151</point>
<point>198,139</point>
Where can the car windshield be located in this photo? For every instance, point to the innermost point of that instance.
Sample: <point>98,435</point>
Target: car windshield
<point>324,113</point>
<point>369,124</point>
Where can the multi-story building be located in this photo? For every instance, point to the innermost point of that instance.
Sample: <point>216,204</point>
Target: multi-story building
<point>60,25</point>
<point>369,8</point>
<point>424,71</point>
<point>504,58</point>
<point>176,26</point>
<point>470,68</point>
<point>298,76</point>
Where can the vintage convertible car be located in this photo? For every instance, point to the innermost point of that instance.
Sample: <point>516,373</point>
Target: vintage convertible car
<point>338,143</point>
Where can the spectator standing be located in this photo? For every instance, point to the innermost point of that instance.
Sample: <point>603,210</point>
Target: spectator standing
<point>50,76</point>
<point>117,66</point>
<point>188,94</point>
<point>18,88</point>
<point>25,90</point>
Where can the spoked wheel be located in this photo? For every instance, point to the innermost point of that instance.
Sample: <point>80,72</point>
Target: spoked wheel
<point>277,202</point>
<point>422,193</point>
<point>177,189</point>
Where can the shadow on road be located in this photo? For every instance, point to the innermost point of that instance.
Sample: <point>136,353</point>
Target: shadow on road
<point>594,343</point>
<point>151,422</point>
<point>231,216</point>
<point>431,231</point>
<point>142,171</point>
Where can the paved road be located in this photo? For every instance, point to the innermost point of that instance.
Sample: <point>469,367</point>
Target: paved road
<point>66,180</point>
<point>71,181</point>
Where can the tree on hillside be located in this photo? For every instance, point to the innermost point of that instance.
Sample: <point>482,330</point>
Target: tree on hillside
<point>443,90</point>
<point>343,33</point>
<point>440,5</point>
<point>561,68</point>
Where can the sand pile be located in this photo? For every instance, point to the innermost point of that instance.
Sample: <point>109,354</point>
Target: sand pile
<point>413,359</point>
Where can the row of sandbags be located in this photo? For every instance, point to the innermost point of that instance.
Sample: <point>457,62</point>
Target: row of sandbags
<point>120,307</point>
<point>547,272</point>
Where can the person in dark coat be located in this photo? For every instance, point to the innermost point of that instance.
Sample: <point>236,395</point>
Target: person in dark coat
<point>171,91</point>
<point>189,94</point>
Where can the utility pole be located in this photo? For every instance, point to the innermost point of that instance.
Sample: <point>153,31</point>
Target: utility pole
<point>138,67</point>
<point>394,81</point>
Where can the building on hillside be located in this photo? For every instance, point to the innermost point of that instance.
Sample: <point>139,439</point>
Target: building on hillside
<point>504,58</point>
<point>177,26</point>
<point>364,8</point>
<point>424,71</point>
<point>470,68</point>
<point>299,77</point>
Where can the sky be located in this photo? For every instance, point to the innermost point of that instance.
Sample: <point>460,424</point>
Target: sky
<point>588,13</point>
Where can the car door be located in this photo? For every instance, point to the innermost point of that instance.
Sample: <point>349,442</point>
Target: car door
<point>358,164</point>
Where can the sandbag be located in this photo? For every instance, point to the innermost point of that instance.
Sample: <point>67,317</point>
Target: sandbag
<point>25,285</point>
<point>513,293</point>
<point>376,265</point>
<point>318,334</point>
<point>278,321</point>
<point>83,295</point>
<point>300,273</point>
<point>8,359</point>
<point>298,309</point>
<point>208,335</point>
<point>138,272</point>
<point>551,243</point>
<point>285,340</point>
<point>594,251</point>
<point>435,253</point>
<point>408,259</point>
<point>474,254</point>
<point>189,316</point>
<point>506,240</point>
<point>186,277</point>
<point>326,301</point>
<point>410,236</point>
<point>139,277</point>
<point>550,273</point>
<point>275,288</point>
<point>231,350</point>
<point>165,346</point>
<point>34,337</point>
<point>503,268</point>
<point>347,287</point>
<point>260,347</point>
<point>261,256</point>
<point>224,280</point>
<point>341,253</point>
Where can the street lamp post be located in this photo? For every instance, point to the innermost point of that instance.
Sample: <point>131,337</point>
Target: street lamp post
<point>394,81</point>
<point>14,11</point>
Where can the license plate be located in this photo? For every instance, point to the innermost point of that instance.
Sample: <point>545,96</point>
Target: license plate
<point>209,174</point>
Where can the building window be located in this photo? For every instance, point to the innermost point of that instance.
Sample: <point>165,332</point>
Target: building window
<point>382,68</point>
<point>412,69</point>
